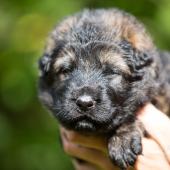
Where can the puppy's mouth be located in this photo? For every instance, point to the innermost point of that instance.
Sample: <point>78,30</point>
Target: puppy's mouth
<point>89,124</point>
<point>85,125</point>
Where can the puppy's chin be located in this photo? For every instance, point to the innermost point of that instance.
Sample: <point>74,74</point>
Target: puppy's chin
<point>85,126</point>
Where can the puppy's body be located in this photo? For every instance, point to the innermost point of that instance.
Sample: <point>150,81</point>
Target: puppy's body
<point>98,69</point>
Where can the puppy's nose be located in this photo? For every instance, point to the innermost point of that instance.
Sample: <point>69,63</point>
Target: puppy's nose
<point>85,102</point>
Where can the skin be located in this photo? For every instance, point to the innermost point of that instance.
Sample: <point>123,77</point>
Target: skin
<point>93,150</point>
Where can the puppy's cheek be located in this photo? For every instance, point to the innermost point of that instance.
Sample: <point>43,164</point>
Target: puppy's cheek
<point>117,84</point>
<point>115,81</point>
<point>46,98</point>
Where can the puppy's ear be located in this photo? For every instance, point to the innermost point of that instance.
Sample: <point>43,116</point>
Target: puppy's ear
<point>44,92</point>
<point>140,60</point>
<point>44,79</point>
<point>44,64</point>
<point>136,60</point>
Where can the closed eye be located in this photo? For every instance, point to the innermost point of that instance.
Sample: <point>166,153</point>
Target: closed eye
<point>64,70</point>
<point>111,71</point>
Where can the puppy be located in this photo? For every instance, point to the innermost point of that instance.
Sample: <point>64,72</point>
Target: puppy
<point>99,67</point>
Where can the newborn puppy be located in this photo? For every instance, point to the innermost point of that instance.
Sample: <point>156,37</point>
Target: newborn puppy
<point>99,67</point>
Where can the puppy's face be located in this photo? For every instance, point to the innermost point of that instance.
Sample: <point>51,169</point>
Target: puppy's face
<point>91,87</point>
<point>97,70</point>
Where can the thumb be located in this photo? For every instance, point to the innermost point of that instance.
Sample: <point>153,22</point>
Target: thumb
<point>157,125</point>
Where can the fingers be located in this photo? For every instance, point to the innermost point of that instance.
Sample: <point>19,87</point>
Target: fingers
<point>152,157</point>
<point>91,150</point>
<point>158,126</point>
<point>94,142</point>
<point>90,155</point>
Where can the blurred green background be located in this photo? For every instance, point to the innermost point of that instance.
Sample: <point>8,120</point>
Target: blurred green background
<point>29,138</point>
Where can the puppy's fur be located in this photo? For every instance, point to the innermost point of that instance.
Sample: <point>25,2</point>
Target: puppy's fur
<point>108,56</point>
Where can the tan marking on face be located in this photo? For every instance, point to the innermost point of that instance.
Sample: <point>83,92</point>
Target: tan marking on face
<point>116,60</point>
<point>138,38</point>
<point>65,57</point>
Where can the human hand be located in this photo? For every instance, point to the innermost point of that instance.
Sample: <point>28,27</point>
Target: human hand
<point>156,149</point>
<point>93,150</point>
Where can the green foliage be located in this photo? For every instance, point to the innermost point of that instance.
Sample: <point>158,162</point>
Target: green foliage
<point>29,137</point>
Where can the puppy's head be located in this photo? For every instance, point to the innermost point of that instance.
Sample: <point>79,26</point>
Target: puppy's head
<point>96,70</point>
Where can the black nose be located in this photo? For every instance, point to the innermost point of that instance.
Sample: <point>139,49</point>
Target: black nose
<point>85,102</point>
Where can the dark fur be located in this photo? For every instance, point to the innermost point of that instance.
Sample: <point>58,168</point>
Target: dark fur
<point>108,55</point>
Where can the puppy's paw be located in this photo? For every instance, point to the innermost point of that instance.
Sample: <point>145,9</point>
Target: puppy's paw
<point>124,149</point>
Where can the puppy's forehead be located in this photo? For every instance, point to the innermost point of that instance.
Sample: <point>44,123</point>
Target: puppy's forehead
<point>111,57</point>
